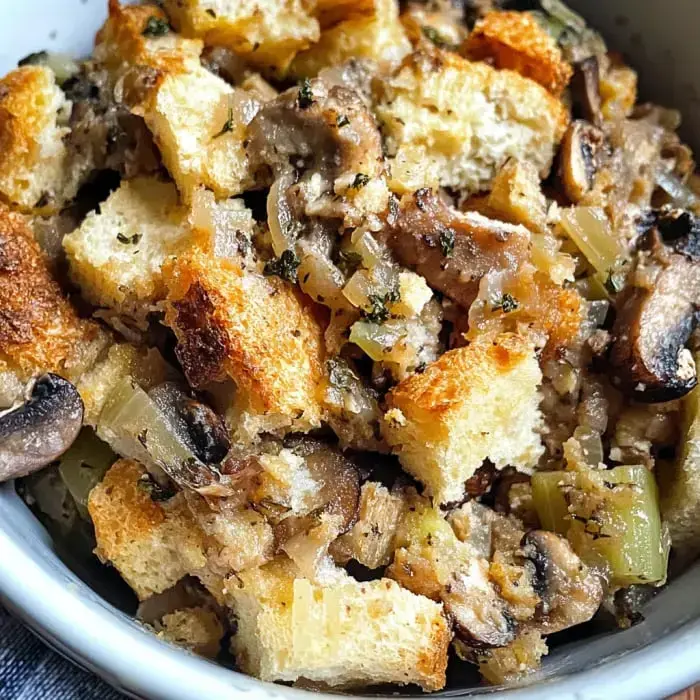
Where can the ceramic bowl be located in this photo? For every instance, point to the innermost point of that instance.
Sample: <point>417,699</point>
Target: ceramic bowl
<point>80,610</point>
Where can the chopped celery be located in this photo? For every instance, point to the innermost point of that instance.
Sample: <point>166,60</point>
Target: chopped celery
<point>83,466</point>
<point>611,517</point>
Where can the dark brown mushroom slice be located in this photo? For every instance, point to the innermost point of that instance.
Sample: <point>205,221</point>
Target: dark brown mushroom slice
<point>196,424</point>
<point>585,90</point>
<point>42,429</point>
<point>479,616</point>
<point>570,592</point>
<point>451,249</point>
<point>649,357</point>
<point>582,152</point>
<point>339,491</point>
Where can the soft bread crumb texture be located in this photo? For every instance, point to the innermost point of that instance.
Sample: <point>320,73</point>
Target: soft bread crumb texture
<point>346,634</point>
<point>197,629</point>
<point>39,329</point>
<point>474,403</point>
<point>518,42</point>
<point>258,331</point>
<point>117,254</point>
<point>454,123</point>
<point>267,33</point>
<point>363,30</point>
<point>152,545</point>
<point>32,167</point>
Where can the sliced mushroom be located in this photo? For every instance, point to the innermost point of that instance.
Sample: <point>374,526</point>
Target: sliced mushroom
<point>649,357</point>
<point>479,616</point>
<point>203,431</point>
<point>570,592</point>
<point>585,90</point>
<point>42,429</point>
<point>452,250</point>
<point>339,488</point>
<point>582,152</point>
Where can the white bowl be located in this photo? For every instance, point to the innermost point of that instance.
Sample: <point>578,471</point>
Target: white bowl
<point>650,661</point>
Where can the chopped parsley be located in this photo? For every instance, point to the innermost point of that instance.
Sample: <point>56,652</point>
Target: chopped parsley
<point>341,120</point>
<point>155,26</point>
<point>228,124</point>
<point>379,310</point>
<point>507,304</point>
<point>360,181</point>
<point>285,266</point>
<point>129,240</point>
<point>434,36</point>
<point>305,98</point>
<point>447,240</point>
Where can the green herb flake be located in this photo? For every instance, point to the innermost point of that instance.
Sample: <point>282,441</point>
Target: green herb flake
<point>379,309</point>
<point>211,13</point>
<point>507,304</point>
<point>155,26</point>
<point>360,181</point>
<point>447,240</point>
<point>129,240</point>
<point>285,266</point>
<point>305,98</point>
<point>434,36</point>
<point>341,120</point>
<point>228,124</point>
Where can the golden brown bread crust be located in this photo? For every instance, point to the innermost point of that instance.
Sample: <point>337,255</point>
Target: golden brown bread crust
<point>516,41</point>
<point>258,331</point>
<point>39,329</point>
<point>441,387</point>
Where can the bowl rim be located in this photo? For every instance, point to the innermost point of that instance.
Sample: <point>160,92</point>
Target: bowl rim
<point>71,618</point>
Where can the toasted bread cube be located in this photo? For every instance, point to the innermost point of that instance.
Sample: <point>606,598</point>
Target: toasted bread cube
<point>428,26</point>
<point>454,123</point>
<point>117,253</point>
<point>347,634</point>
<point>33,154</point>
<point>371,539</point>
<point>125,40</point>
<point>267,33</point>
<point>235,324</point>
<point>517,41</point>
<point>152,545</point>
<point>199,123</point>
<point>39,329</point>
<point>474,403</point>
<point>197,629</point>
<point>147,367</point>
<point>374,33</point>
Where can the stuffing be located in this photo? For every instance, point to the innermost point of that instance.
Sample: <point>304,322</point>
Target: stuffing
<point>147,367</point>
<point>414,294</point>
<point>267,33</point>
<point>117,254</point>
<point>152,545</point>
<point>518,42</point>
<point>374,34</point>
<point>371,539</point>
<point>454,123</point>
<point>255,330</point>
<point>474,403</point>
<point>428,26</point>
<point>39,329</point>
<point>346,634</point>
<point>197,629</point>
<point>33,155</point>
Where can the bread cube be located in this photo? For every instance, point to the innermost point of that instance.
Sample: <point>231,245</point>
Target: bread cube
<point>348,634</point>
<point>233,323</point>
<point>33,112</point>
<point>454,123</point>
<point>518,42</point>
<point>117,253</point>
<point>474,403</point>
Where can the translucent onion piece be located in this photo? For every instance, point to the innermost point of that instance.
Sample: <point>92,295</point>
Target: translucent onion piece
<point>282,223</point>
<point>681,195</point>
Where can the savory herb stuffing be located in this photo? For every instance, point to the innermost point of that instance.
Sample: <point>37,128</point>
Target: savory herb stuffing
<point>156,26</point>
<point>285,266</point>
